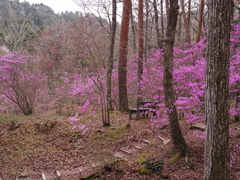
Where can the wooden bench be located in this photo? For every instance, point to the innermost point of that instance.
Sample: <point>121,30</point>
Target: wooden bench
<point>143,108</point>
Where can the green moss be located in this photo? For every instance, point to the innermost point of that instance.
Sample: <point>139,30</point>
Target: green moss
<point>15,118</point>
<point>141,158</point>
<point>175,158</point>
<point>114,112</point>
<point>144,171</point>
<point>151,144</point>
<point>118,132</point>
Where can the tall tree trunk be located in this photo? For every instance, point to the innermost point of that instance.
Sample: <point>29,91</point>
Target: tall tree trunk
<point>200,21</point>
<point>159,42</point>
<point>169,94</point>
<point>111,54</point>
<point>237,102</point>
<point>189,19</point>
<point>167,6</point>
<point>123,52</point>
<point>187,32</point>
<point>179,31</point>
<point>216,164</point>
<point>140,53</point>
<point>147,31</point>
<point>162,23</point>
<point>133,33</point>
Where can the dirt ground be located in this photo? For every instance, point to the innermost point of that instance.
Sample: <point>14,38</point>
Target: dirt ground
<point>34,147</point>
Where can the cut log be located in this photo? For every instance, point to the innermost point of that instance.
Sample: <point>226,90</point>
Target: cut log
<point>146,141</point>
<point>137,147</point>
<point>198,126</point>
<point>125,151</point>
<point>165,141</point>
<point>118,156</point>
<point>44,176</point>
<point>80,169</point>
<point>58,174</point>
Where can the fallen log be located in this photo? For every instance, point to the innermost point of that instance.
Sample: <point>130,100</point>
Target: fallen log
<point>197,126</point>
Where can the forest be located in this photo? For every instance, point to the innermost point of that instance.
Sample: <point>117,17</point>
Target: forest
<point>69,81</point>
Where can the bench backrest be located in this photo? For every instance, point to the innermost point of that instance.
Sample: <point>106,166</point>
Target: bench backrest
<point>147,104</point>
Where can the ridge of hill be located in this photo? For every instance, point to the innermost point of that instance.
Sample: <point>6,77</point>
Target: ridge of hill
<point>39,14</point>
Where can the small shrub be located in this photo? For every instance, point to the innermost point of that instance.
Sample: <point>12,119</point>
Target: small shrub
<point>154,166</point>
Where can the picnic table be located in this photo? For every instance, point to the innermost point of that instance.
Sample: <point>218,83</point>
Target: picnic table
<point>143,107</point>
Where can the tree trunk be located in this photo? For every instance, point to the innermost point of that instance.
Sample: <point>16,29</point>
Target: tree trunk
<point>216,164</point>
<point>179,29</point>
<point>140,54</point>
<point>167,6</point>
<point>237,102</point>
<point>122,63</point>
<point>185,22</point>
<point>200,21</point>
<point>178,140</point>
<point>162,23</point>
<point>133,33</point>
<point>111,53</point>
<point>147,31</point>
<point>189,19</point>
<point>159,42</point>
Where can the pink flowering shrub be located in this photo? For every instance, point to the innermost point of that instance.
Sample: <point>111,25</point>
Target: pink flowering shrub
<point>189,83</point>
<point>80,127</point>
<point>20,82</point>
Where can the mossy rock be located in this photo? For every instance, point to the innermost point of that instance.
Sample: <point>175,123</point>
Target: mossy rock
<point>45,127</point>
<point>75,137</point>
<point>14,125</point>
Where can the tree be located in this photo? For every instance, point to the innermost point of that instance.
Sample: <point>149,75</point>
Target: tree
<point>17,34</point>
<point>123,52</point>
<point>162,23</point>
<point>189,20</point>
<point>111,53</point>
<point>200,21</point>
<point>167,6</point>
<point>216,164</point>
<point>178,140</point>
<point>140,53</point>
<point>237,102</point>
<point>186,19</point>
<point>133,28</point>
<point>156,22</point>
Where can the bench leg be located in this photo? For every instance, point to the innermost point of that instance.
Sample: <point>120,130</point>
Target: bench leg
<point>138,114</point>
<point>154,114</point>
<point>130,115</point>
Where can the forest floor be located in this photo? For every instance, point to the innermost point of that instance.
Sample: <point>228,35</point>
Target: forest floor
<point>33,148</point>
